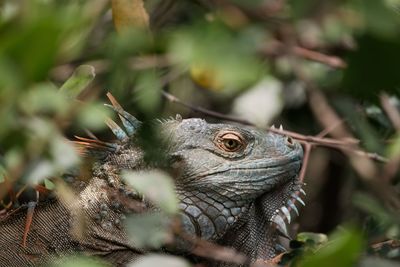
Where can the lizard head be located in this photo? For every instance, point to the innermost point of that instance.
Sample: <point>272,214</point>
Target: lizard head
<point>235,183</point>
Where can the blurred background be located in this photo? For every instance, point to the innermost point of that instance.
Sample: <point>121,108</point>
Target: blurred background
<point>326,69</point>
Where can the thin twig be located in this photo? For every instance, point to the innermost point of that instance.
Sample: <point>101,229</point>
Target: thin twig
<point>344,144</point>
<point>211,113</point>
<point>276,47</point>
<point>326,131</point>
<point>323,141</point>
<point>306,158</point>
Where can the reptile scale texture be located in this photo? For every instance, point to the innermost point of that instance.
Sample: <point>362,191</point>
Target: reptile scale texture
<point>237,186</point>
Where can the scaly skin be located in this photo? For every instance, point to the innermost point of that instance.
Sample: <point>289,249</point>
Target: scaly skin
<point>232,182</point>
<point>231,197</point>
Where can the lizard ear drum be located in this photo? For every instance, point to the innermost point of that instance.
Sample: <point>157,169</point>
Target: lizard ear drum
<point>229,141</point>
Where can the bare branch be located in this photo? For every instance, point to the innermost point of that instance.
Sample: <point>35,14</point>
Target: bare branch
<point>348,144</point>
<point>174,99</point>
<point>306,158</point>
<point>276,47</point>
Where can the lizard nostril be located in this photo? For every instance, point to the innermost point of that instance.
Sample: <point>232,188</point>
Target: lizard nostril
<point>289,141</point>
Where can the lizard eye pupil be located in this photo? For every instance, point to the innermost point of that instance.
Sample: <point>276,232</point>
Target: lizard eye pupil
<point>230,141</point>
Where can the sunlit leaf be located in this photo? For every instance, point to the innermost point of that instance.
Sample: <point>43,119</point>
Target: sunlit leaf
<point>129,13</point>
<point>49,184</point>
<point>206,77</point>
<point>261,103</point>
<point>343,250</point>
<point>153,260</point>
<point>78,261</point>
<point>316,238</point>
<point>156,186</point>
<point>78,81</point>
<point>214,52</point>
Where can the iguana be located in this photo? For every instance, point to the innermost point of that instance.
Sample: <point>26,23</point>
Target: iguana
<point>236,186</point>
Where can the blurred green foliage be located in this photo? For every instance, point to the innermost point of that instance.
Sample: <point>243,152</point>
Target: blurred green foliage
<point>78,260</point>
<point>207,54</point>
<point>343,249</point>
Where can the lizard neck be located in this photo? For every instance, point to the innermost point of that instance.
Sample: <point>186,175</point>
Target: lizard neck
<point>209,215</point>
<point>255,234</point>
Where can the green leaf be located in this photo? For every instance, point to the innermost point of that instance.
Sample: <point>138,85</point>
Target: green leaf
<point>2,174</point>
<point>148,230</point>
<point>373,207</point>
<point>49,184</point>
<point>155,185</point>
<point>78,81</point>
<point>30,42</point>
<point>393,150</point>
<point>316,238</point>
<point>343,250</point>
<point>261,103</point>
<point>43,98</point>
<point>148,91</point>
<point>78,261</point>
<point>93,115</point>
<point>153,260</point>
<point>374,12</point>
<point>215,53</point>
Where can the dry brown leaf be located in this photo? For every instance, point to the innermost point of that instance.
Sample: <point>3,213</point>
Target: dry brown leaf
<point>129,14</point>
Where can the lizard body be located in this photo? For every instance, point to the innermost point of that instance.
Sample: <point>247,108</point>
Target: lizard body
<point>234,183</point>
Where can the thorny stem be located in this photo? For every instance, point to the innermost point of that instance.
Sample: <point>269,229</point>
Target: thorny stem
<point>174,99</point>
<point>307,150</point>
<point>326,131</point>
<point>347,144</point>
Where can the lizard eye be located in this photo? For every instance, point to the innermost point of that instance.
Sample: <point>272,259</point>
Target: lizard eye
<point>230,141</point>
